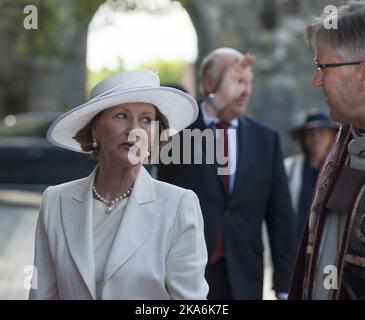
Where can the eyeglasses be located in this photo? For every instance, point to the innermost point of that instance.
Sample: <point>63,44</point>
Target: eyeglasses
<point>322,66</point>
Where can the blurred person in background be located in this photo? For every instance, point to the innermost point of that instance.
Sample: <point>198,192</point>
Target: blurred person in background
<point>236,204</point>
<point>314,137</point>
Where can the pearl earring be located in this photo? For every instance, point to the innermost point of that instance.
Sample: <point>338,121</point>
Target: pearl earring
<point>94,143</point>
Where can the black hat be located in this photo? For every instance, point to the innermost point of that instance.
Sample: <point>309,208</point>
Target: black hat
<point>315,118</point>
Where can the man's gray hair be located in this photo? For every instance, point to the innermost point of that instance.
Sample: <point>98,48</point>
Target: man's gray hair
<point>210,66</point>
<point>348,39</point>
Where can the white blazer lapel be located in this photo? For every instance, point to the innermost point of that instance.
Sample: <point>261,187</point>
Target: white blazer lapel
<point>139,217</point>
<point>76,213</point>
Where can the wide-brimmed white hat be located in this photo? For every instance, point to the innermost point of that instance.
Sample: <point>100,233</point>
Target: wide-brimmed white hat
<point>131,86</point>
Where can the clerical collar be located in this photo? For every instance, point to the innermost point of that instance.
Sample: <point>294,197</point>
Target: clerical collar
<point>356,132</point>
<point>357,144</point>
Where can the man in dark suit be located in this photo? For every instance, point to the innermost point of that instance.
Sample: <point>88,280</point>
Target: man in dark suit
<point>235,205</point>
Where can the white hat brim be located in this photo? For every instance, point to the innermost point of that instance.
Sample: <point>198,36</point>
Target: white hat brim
<point>180,109</point>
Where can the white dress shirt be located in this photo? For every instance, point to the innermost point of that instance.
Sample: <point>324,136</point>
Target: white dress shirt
<point>212,120</point>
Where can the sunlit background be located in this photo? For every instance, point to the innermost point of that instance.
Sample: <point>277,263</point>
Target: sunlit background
<point>165,41</point>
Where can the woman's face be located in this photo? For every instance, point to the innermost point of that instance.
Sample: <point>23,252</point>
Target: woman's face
<point>318,140</point>
<point>124,132</point>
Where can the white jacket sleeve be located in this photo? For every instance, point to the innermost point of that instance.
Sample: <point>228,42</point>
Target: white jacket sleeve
<point>188,255</point>
<point>44,284</point>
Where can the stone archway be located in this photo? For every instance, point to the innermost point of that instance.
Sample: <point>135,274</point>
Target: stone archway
<point>272,29</point>
<point>54,77</point>
<point>119,40</point>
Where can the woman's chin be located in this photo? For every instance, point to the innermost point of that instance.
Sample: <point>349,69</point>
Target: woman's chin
<point>122,156</point>
<point>132,158</point>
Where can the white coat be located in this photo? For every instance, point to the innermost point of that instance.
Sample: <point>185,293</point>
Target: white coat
<point>294,170</point>
<point>159,251</point>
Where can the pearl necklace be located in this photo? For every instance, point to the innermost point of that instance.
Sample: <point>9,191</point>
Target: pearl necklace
<point>111,204</point>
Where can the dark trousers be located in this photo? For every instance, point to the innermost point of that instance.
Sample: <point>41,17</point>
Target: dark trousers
<point>217,277</point>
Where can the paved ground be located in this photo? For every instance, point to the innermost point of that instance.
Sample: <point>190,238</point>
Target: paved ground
<point>18,216</point>
<point>16,251</point>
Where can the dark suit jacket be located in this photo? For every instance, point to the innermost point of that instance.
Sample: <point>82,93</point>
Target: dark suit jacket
<point>260,193</point>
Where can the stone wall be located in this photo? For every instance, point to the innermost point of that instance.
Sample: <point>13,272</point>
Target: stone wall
<point>44,69</point>
<point>273,31</point>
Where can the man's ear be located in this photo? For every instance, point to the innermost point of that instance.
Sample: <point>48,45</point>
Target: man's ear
<point>361,69</point>
<point>208,85</point>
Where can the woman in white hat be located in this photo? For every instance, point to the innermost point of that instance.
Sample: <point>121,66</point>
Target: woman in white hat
<point>118,233</point>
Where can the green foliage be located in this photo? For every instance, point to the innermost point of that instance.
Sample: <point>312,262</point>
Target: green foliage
<point>184,3</point>
<point>93,77</point>
<point>169,71</point>
<point>84,10</point>
<point>150,6</point>
<point>69,18</point>
<point>31,41</point>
